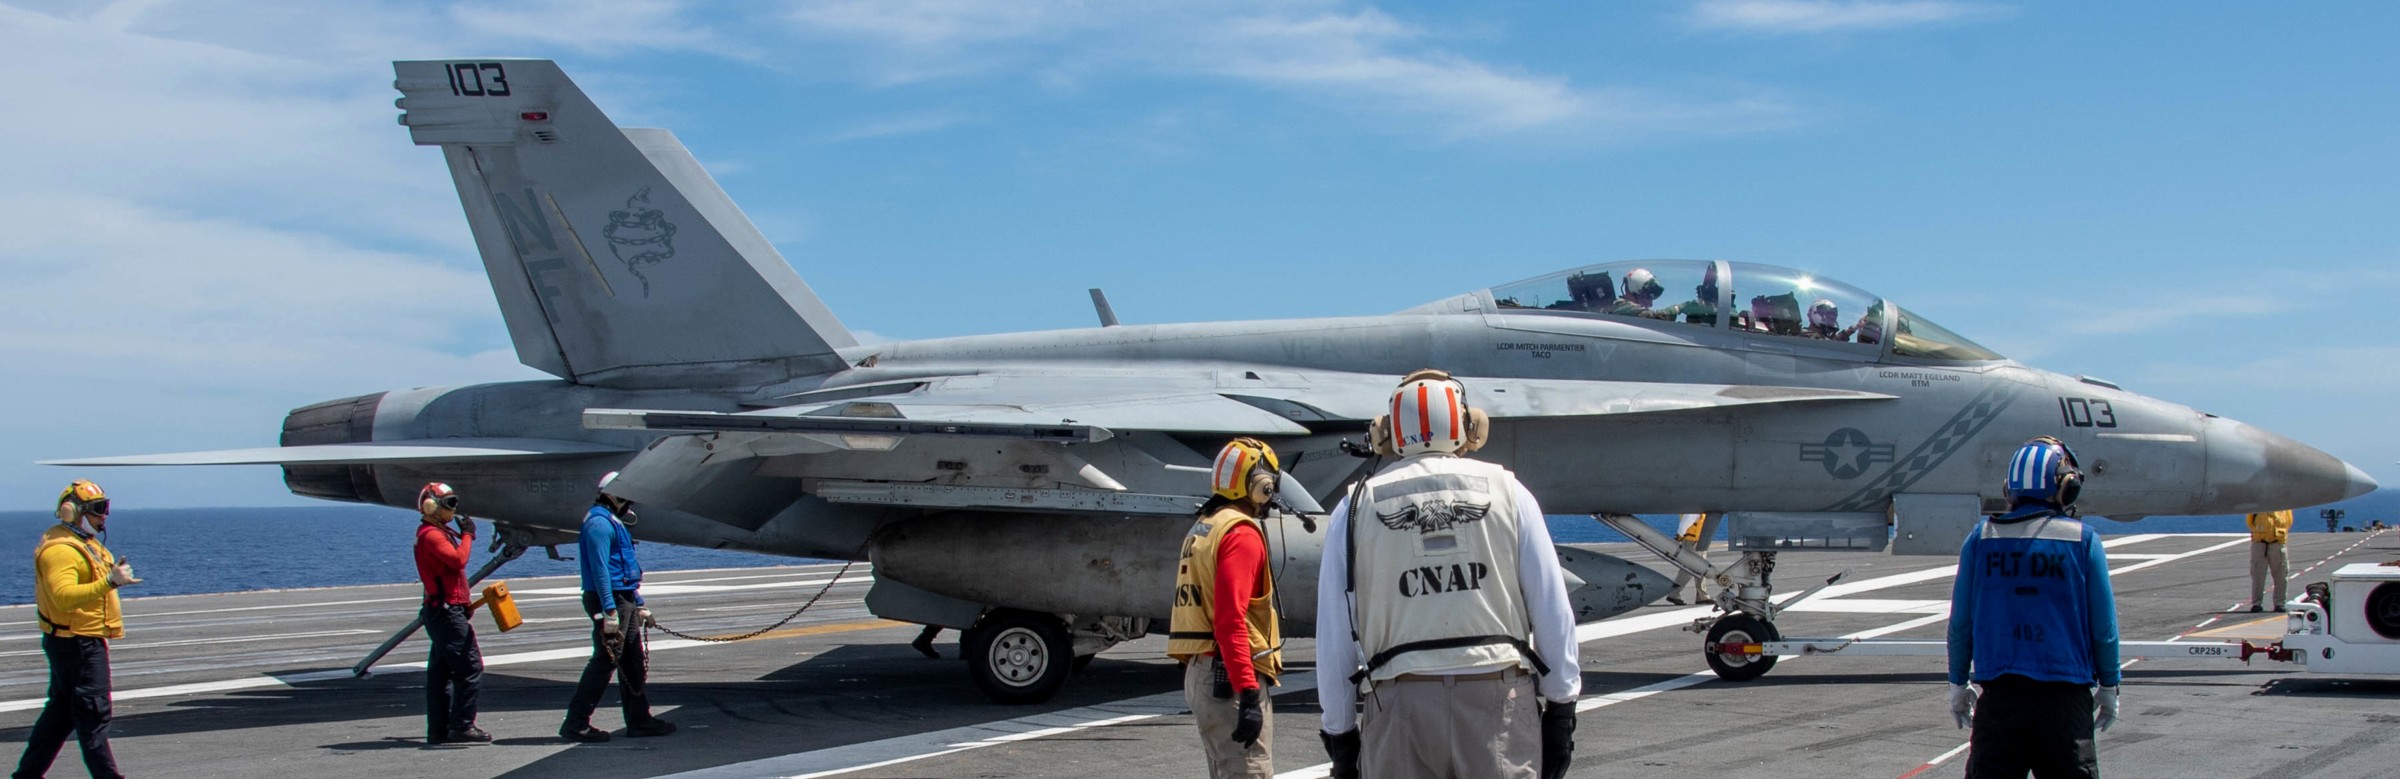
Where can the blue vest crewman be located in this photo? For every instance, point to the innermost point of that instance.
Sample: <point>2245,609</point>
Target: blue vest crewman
<point>2033,623</point>
<point>612,597</point>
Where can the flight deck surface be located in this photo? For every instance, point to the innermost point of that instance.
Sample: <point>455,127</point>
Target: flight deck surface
<point>249,684</point>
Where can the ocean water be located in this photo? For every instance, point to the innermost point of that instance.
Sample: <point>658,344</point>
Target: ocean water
<point>188,551</point>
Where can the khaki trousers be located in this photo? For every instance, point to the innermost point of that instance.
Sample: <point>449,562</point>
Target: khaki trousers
<point>1439,728</point>
<point>1227,760</point>
<point>2266,558</point>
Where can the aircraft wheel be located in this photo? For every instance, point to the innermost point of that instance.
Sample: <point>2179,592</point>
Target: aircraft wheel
<point>1018,657</point>
<point>1739,629</point>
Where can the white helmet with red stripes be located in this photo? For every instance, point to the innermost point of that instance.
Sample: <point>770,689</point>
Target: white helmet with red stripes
<point>1429,414</point>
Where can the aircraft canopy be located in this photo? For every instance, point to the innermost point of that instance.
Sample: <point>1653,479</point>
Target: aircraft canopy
<point>1740,296</point>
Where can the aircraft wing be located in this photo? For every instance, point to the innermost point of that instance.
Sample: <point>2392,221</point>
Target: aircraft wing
<point>393,452</point>
<point>1544,398</point>
<point>1091,409</point>
<point>1082,420</point>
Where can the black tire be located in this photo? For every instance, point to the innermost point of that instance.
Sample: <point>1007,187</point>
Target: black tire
<point>1745,629</point>
<point>1018,657</point>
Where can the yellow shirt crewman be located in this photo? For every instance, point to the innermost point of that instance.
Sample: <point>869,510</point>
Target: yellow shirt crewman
<point>75,594</point>
<point>2268,531</point>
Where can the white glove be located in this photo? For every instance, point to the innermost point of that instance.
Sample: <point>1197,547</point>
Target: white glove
<point>1962,704</point>
<point>122,574</point>
<point>608,624</point>
<point>643,612</point>
<point>2110,708</point>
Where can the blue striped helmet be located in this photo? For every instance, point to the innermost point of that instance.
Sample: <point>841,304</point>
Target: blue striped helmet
<point>2041,470</point>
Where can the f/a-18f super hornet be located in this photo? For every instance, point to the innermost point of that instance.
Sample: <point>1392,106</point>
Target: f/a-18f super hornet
<point>1030,488</point>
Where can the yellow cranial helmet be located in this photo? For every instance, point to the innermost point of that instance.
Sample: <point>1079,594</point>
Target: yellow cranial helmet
<point>1230,479</point>
<point>80,498</point>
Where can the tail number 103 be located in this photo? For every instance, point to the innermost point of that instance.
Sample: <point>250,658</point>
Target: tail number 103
<point>2086,412</point>
<point>477,79</point>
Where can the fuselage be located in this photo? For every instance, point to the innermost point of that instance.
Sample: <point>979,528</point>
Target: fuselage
<point>1947,427</point>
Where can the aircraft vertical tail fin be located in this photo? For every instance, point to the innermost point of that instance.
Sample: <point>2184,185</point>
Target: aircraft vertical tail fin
<point>616,259</point>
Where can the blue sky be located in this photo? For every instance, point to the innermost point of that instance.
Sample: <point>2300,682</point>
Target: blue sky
<point>213,218</point>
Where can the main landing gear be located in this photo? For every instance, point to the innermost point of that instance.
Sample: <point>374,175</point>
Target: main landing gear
<point>1023,657</point>
<point>1744,592</point>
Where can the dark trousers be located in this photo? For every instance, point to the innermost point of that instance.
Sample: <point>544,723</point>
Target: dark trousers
<point>2022,725</point>
<point>632,673</point>
<point>79,704</point>
<point>453,673</point>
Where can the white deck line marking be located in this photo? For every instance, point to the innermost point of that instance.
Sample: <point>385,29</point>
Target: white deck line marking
<point>116,646</point>
<point>2165,560</point>
<point>288,680</point>
<point>904,749</point>
<point>655,590</point>
<point>147,615</point>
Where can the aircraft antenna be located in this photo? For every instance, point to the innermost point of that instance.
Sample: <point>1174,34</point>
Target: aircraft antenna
<point>1108,316</point>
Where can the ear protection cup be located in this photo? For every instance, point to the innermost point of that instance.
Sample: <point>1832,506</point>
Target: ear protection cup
<point>68,511</point>
<point>1479,430</point>
<point>1379,437</point>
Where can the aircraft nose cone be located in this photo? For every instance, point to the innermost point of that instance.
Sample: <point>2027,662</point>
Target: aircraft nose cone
<point>2360,482</point>
<point>2252,469</point>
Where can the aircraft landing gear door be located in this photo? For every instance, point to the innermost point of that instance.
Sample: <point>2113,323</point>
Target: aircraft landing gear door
<point>1933,524</point>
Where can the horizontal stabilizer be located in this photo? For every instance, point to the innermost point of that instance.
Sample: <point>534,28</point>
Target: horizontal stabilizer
<point>417,451</point>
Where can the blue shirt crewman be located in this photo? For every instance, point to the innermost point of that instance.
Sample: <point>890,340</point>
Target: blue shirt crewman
<point>2033,622</point>
<point>612,597</point>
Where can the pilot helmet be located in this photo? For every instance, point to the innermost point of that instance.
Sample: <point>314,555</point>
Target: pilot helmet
<point>1230,478</point>
<point>2044,470</point>
<point>1824,315</point>
<point>1641,284</point>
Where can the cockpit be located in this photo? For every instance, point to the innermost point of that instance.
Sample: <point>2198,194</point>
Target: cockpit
<point>1740,297</point>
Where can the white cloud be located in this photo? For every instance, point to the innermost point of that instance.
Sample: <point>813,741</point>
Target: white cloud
<point>1357,59</point>
<point>596,26</point>
<point>1783,17</point>
<point>911,124</point>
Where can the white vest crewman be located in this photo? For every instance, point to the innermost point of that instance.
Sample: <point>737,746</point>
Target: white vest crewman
<point>1442,599</point>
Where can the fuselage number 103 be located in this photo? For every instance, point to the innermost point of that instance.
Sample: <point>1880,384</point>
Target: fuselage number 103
<point>2086,412</point>
<point>477,79</point>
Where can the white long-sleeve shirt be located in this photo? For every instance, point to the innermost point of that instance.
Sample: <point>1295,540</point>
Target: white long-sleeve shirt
<point>1544,583</point>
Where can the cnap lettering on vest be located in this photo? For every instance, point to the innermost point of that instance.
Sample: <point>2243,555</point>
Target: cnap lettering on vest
<point>1456,577</point>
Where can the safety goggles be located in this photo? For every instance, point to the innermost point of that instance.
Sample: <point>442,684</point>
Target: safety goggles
<point>447,501</point>
<point>97,508</point>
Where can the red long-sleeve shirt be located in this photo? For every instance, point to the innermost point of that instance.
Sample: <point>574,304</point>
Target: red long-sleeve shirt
<point>442,563</point>
<point>1241,565</point>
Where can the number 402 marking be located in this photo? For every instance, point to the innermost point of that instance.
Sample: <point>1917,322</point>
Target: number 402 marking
<point>2082,412</point>
<point>470,79</point>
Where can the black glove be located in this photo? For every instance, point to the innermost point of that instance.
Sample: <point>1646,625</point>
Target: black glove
<point>1249,719</point>
<point>1558,739</point>
<point>1343,750</point>
<point>466,525</point>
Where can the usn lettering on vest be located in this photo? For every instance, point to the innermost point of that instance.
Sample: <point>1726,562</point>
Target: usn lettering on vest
<point>1435,580</point>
